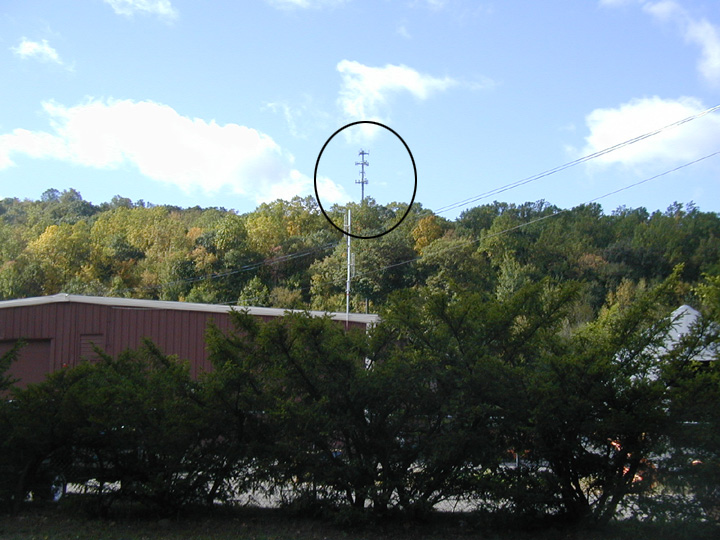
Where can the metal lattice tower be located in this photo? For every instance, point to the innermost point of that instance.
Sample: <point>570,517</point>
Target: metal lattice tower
<point>362,180</point>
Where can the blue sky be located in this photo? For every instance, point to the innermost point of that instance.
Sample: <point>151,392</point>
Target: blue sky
<point>228,103</point>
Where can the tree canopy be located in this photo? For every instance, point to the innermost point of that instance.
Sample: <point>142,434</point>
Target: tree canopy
<point>521,364</point>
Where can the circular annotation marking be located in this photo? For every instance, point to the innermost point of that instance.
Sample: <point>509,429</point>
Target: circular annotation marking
<point>317,195</point>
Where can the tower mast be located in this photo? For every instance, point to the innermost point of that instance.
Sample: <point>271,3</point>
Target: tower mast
<point>362,180</point>
<point>348,227</point>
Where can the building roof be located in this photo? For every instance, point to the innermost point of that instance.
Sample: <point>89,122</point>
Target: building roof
<point>683,320</point>
<point>134,303</point>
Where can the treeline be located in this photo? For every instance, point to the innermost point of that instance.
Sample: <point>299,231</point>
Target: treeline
<point>521,367</point>
<point>499,404</point>
<point>285,254</point>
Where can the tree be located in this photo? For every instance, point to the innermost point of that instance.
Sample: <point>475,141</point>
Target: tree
<point>597,411</point>
<point>691,466</point>
<point>34,437</point>
<point>454,263</point>
<point>427,231</point>
<point>475,350</point>
<point>61,251</point>
<point>418,411</point>
<point>255,293</point>
<point>141,419</point>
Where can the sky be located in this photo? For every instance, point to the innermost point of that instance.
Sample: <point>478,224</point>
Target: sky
<point>229,103</point>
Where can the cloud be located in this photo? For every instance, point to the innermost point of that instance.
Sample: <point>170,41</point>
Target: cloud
<point>708,37</point>
<point>616,3</point>
<point>680,144</point>
<point>698,31</point>
<point>403,31</point>
<point>304,4</point>
<point>293,184</point>
<point>436,4</point>
<point>39,51</point>
<point>299,184</point>
<point>301,118</point>
<point>330,192</point>
<point>289,114</point>
<point>190,153</point>
<point>366,91</point>
<point>161,8</point>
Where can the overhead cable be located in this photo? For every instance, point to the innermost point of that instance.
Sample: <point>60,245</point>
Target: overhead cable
<point>578,161</point>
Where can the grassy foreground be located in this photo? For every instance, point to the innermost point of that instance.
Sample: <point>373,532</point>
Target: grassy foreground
<point>255,524</point>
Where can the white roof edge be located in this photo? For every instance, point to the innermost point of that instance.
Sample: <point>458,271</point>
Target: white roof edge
<point>366,318</point>
<point>682,320</point>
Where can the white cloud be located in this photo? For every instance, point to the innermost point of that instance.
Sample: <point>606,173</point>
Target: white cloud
<point>294,184</point>
<point>680,144</point>
<point>698,31</point>
<point>403,31</point>
<point>299,184</point>
<point>289,114</point>
<point>39,51</point>
<point>304,4</point>
<point>663,9</point>
<point>707,36</point>
<point>301,118</point>
<point>163,145</point>
<point>366,90</point>
<point>161,8</point>
<point>616,3</point>
<point>330,192</point>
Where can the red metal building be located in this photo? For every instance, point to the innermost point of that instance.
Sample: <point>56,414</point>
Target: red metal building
<point>61,330</point>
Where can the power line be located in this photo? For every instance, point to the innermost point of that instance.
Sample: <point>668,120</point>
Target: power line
<point>245,268</point>
<point>578,161</point>
<point>536,220</point>
<point>465,202</point>
<point>698,160</point>
<point>338,280</point>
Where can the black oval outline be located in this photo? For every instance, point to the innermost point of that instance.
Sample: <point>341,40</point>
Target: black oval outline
<point>317,195</point>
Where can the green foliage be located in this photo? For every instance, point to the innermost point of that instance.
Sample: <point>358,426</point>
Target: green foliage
<point>597,413</point>
<point>126,248</point>
<point>134,428</point>
<point>254,293</point>
<point>691,467</point>
<point>34,432</point>
<point>6,360</point>
<point>521,364</point>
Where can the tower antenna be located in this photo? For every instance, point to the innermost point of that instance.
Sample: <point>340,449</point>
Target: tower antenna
<point>362,180</point>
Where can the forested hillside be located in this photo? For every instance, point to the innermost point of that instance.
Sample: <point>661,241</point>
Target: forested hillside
<point>524,365</point>
<point>285,254</point>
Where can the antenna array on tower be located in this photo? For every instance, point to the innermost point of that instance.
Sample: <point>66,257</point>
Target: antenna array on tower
<point>363,180</point>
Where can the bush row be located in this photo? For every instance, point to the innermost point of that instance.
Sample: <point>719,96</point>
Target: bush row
<point>503,406</point>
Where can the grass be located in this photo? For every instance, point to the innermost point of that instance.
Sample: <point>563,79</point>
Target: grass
<point>259,524</point>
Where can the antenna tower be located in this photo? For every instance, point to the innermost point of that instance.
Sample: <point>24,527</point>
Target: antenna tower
<point>362,180</point>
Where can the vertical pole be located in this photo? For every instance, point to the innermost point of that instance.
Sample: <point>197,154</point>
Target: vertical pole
<point>362,180</point>
<point>347,284</point>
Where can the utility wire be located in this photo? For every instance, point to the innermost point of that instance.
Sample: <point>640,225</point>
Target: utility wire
<point>532,221</point>
<point>341,279</point>
<point>578,161</point>
<point>465,202</point>
<point>246,268</point>
<point>698,160</point>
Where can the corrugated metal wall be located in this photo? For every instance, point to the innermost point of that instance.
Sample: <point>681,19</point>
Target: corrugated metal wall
<point>61,334</point>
